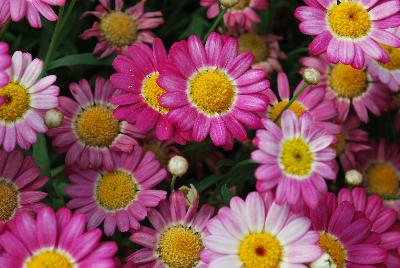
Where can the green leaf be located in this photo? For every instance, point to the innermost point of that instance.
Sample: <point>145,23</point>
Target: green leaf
<point>79,59</point>
<point>41,156</point>
<point>226,194</point>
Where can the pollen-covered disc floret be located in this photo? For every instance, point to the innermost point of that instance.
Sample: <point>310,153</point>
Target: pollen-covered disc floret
<point>117,29</point>
<point>90,130</point>
<point>54,240</point>
<point>120,194</point>
<point>258,233</point>
<point>178,234</point>
<point>294,158</point>
<point>211,91</point>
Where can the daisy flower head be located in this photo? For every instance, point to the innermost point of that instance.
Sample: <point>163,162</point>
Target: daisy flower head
<point>211,90</point>
<point>252,233</point>
<point>54,240</point>
<point>5,63</point>
<point>311,101</point>
<point>388,73</point>
<point>177,237</point>
<point>31,10</point>
<point>90,131</point>
<point>350,30</point>
<point>25,99</point>
<point>265,49</point>
<point>295,158</point>
<point>241,16</point>
<point>349,87</point>
<point>119,196</point>
<point>19,186</point>
<point>117,28</point>
<point>345,234</point>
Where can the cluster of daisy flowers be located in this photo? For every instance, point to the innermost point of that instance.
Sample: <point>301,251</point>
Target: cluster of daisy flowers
<point>325,190</point>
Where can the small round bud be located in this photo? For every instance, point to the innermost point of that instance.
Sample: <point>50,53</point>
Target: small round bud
<point>325,261</point>
<point>178,166</point>
<point>229,3</point>
<point>190,193</point>
<point>311,76</point>
<point>53,118</point>
<point>353,177</point>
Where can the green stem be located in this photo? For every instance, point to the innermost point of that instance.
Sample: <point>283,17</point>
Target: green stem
<point>173,184</point>
<point>293,99</point>
<point>215,24</point>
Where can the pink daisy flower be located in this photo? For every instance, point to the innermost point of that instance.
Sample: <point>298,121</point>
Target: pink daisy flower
<point>213,91</point>
<point>119,196</point>
<point>347,87</point>
<point>265,49</point>
<point>25,99</point>
<point>177,237</point>
<point>118,29</point>
<point>5,63</point>
<point>19,185</point>
<point>241,16</point>
<point>31,10</point>
<point>90,131</point>
<point>344,234</point>
<point>54,240</point>
<point>382,220</point>
<point>388,73</point>
<point>258,233</point>
<point>294,158</point>
<point>350,141</point>
<point>311,101</point>
<point>349,30</point>
<point>139,101</point>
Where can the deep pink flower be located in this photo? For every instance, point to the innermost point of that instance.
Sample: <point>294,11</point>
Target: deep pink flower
<point>5,63</point>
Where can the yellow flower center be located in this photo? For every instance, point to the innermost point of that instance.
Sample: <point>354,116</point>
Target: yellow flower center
<point>16,102</point>
<point>50,259</point>
<point>334,248</point>
<point>347,82</point>
<point>296,157</point>
<point>152,92</point>
<point>255,44</point>
<point>212,92</point>
<point>382,178</point>
<point>116,190</point>
<point>260,250</point>
<point>277,108</point>
<point>349,19</point>
<point>179,246</point>
<point>159,151</point>
<point>8,200</point>
<point>241,5</point>
<point>96,126</point>
<point>394,55</point>
<point>340,146</point>
<point>119,29</point>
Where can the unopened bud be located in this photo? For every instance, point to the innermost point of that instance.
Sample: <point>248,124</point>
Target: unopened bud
<point>53,118</point>
<point>325,261</point>
<point>311,76</point>
<point>178,166</point>
<point>190,193</point>
<point>353,177</point>
<point>229,3</point>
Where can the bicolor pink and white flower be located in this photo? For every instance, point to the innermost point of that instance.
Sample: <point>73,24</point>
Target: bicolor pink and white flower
<point>212,91</point>
<point>25,99</point>
<point>90,131</point>
<point>116,29</point>
<point>349,31</point>
<point>295,159</point>
<point>177,236</point>
<point>5,63</point>
<point>120,196</point>
<point>31,10</point>
<point>54,240</point>
<point>241,16</point>
<point>258,233</point>
<point>349,87</point>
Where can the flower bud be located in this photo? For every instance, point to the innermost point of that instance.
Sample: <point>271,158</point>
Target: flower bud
<point>53,118</point>
<point>325,261</point>
<point>178,166</point>
<point>190,193</point>
<point>353,177</point>
<point>311,76</point>
<point>229,3</point>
